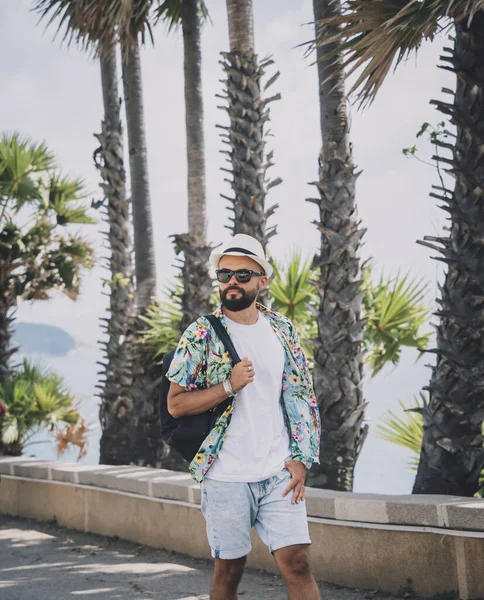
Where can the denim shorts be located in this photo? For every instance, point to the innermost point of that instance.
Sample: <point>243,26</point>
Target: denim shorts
<point>232,509</point>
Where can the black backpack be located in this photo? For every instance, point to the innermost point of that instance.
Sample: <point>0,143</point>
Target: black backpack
<point>186,434</point>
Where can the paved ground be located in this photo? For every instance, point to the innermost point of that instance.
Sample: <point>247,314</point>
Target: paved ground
<point>42,561</point>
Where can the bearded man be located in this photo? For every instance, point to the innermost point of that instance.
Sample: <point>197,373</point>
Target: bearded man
<point>252,466</point>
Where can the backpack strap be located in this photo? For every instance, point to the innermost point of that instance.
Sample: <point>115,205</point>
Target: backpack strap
<point>224,337</point>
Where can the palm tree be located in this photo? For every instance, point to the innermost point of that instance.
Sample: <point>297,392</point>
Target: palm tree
<point>338,355</point>
<point>34,399</point>
<point>197,289</point>
<point>92,25</point>
<point>38,257</point>
<point>375,34</point>
<point>116,375</point>
<point>394,313</point>
<point>406,430</point>
<point>245,137</point>
<point>138,162</point>
<point>117,366</point>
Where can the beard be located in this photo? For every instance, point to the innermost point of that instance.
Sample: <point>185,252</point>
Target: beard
<point>243,301</point>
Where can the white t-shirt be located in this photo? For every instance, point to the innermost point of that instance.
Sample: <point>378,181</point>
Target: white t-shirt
<point>257,442</point>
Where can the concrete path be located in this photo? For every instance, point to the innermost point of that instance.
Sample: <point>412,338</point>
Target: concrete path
<point>42,561</point>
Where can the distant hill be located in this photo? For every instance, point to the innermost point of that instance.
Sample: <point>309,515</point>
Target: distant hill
<point>37,338</point>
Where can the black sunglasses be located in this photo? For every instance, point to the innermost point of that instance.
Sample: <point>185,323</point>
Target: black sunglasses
<point>242,275</point>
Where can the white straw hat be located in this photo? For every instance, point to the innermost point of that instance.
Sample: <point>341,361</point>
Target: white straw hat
<point>243,245</point>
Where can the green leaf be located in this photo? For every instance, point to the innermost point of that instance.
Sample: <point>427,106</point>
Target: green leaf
<point>395,312</point>
<point>405,428</point>
<point>35,399</point>
<point>423,129</point>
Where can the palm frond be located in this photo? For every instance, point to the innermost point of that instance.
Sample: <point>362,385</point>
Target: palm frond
<point>35,399</point>
<point>374,35</point>
<point>169,11</point>
<point>395,312</point>
<point>9,431</point>
<point>405,429</point>
<point>64,196</point>
<point>96,25</point>
<point>163,324</point>
<point>21,160</point>
<point>294,295</point>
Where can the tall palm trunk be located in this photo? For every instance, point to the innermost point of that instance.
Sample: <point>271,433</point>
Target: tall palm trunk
<point>245,136</point>
<point>338,359</point>
<point>118,361</point>
<point>197,288</point>
<point>452,454</point>
<point>141,427</point>
<point>140,193</point>
<point>7,309</point>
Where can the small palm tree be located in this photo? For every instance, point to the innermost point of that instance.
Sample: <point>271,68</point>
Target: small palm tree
<point>293,294</point>
<point>405,429</point>
<point>394,313</point>
<point>33,400</point>
<point>163,324</point>
<point>37,255</point>
<point>376,35</point>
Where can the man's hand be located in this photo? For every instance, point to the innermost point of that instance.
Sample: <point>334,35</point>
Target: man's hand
<point>298,472</point>
<point>242,374</point>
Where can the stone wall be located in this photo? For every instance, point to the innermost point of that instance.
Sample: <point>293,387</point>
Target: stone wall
<point>427,544</point>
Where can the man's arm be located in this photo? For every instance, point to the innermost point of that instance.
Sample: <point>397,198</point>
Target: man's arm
<point>182,402</point>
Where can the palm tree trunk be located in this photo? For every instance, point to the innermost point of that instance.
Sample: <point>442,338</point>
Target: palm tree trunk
<point>240,16</point>
<point>245,136</point>
<point>6,330</point>
<point>197,288</point>
<point>338,359</point>
<point>117,365</point>
<point>192,51</point>
<point>452,454</point>
<point>138,163</point>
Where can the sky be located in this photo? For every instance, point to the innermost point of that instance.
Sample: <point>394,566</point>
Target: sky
<point>53,94</point>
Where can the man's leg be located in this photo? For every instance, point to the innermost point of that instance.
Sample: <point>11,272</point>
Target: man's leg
<point>229,509</point>
<point>226,578</point>
<point>293,563</point>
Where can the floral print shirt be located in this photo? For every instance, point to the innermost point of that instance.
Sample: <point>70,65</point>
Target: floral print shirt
<point>201,361</point>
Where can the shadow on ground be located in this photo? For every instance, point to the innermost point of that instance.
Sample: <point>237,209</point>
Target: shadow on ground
<point>40,561</point>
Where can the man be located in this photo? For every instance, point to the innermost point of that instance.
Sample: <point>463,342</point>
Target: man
<point>252,466</point>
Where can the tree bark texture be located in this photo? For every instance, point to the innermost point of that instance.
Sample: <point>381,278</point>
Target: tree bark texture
<point>245,137</point>
<point>140,193</point>
<point>452,455</point>
<point>338,357</point>
<point>197,286</point>
<point>7,311</point>
<point>117,365</point>
<point>240,16</point>
<point>192,48</point>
